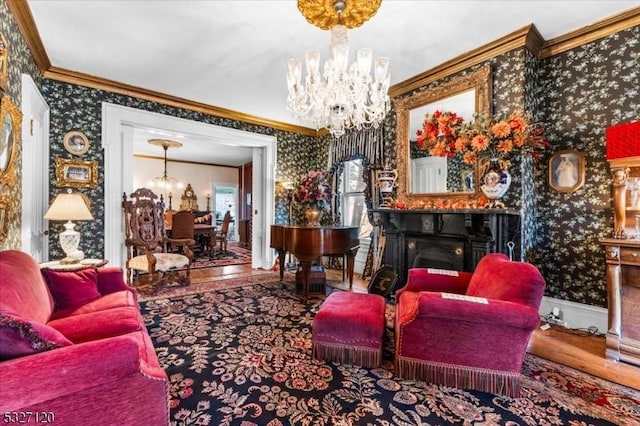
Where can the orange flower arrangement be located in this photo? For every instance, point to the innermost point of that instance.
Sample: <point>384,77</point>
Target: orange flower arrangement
<point>480,202</point>
<point>440,132</point>
<point>445,134</point>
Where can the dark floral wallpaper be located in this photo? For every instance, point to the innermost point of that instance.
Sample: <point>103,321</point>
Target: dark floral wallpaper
<point>79,108</point>
<point>20,61</point>
<point>296,156</point>
<point>581,93</point>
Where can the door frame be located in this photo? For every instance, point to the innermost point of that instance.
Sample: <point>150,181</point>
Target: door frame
<point>35,170</point>
<point>117,140</point>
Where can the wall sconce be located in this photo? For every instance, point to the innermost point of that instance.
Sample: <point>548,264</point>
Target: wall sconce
<point>289,187</point>
<point>69,206</point>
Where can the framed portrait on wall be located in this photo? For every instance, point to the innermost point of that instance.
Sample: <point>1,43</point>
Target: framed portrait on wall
<point>76,173</point>
<point>76,142</point>
<point>566,171</point>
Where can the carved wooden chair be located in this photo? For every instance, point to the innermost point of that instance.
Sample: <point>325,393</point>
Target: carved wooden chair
<point>146,242</point>
<point>221,235</point>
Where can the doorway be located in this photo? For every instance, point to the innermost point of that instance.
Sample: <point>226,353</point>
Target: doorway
<point>118,123</point>
<point>225,198</point>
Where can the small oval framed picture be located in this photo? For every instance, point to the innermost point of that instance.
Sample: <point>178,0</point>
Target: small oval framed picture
<point>76,142</point>
<point>566,171</point>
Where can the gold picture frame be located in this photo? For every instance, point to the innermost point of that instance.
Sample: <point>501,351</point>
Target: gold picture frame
<point>10,121</point>
<point>4,62</point>
<point>566,171</point>
<point>76,173</point>
<point>76,142</point>
<point>4,218</point>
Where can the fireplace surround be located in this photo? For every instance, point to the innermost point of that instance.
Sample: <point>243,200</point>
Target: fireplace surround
<point>446,239</point>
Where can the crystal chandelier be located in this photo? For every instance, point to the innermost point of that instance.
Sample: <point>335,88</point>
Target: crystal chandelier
<point>165,182</point>
<point>341,97</point>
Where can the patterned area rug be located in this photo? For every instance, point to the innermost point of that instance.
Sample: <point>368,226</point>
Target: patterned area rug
<point>234,255</point>
<point>240,354</point>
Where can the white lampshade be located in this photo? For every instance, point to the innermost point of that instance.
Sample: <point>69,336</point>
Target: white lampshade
<point>69,206</point>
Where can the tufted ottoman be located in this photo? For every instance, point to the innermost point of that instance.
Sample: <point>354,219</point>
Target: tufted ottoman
<point>349,328</point>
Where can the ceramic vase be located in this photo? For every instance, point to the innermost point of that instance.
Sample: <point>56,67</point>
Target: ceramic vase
<point>495,180</point>
<point>313,216</point>
<point>386,183</point>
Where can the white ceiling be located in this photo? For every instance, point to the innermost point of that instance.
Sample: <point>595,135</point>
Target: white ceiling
<point>233,54</point>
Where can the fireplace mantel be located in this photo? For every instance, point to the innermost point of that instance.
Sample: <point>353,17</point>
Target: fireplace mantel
<point>465,235</point>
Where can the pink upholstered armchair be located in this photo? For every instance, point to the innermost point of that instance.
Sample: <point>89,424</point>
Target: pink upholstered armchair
<point>468,330</point>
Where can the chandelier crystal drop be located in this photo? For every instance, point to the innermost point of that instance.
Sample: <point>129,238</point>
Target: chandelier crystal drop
<point>165,182</point>
<point>342,96</point>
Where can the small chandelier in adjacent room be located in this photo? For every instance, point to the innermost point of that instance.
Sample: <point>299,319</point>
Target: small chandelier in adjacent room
<point>165,182</point>
<point>342,96</point>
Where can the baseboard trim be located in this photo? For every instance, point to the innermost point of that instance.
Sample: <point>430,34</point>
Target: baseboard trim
<point>577,315</point>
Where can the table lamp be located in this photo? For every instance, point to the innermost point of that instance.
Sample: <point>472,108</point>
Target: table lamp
<point>69,206</point>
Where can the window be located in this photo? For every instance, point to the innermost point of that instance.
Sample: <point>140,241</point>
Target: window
<point>354,209</point>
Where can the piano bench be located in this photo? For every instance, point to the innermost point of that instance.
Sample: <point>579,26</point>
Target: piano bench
<point>349,328</point>
<point>317,280</point>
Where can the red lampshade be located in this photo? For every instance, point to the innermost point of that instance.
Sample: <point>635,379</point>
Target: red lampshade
<point>623,140</point>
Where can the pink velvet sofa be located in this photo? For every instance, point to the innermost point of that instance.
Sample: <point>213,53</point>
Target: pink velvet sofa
<point>74,348</point>
<point>468,330</point>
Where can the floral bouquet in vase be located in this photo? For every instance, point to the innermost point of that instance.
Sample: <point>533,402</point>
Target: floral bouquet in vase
<point>314,192</point>
<point>487,141</point>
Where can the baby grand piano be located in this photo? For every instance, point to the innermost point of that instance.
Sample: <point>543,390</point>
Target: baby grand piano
<point>308,243</point>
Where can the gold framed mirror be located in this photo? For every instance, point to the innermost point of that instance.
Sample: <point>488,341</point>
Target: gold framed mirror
<point>10,121</point>
<point>424,177</point>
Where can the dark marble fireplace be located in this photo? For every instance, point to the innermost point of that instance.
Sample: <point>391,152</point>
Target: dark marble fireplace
<point>446,239</point>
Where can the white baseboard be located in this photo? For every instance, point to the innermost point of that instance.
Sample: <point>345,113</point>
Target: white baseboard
<point>577,315</point>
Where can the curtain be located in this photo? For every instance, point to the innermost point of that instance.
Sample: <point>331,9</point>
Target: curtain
<point>367,144</point>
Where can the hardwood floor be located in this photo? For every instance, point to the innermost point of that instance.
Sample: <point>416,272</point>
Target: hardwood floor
<point>583,352</point>
<point>580,351</point>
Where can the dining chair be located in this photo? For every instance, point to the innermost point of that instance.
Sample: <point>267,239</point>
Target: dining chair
<point>221,235</point>
<point>183,227</point>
